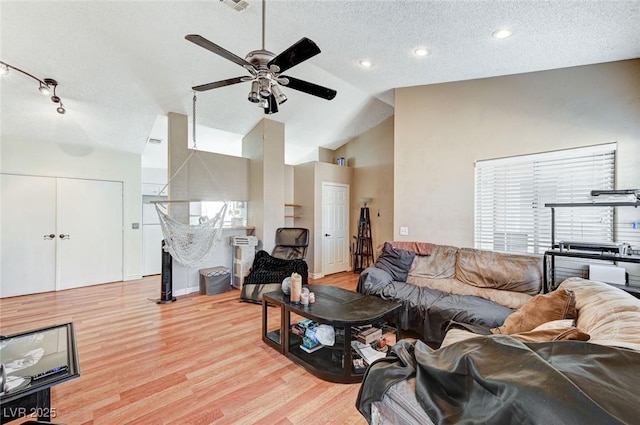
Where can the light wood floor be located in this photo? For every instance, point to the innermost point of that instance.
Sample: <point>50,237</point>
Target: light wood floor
<point>197,361</point>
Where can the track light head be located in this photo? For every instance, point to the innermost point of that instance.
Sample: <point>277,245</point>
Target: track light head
<point>44,89</point>
<point>61,109</point>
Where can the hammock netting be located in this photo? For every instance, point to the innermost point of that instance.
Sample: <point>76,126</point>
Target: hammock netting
<point>191,245</point>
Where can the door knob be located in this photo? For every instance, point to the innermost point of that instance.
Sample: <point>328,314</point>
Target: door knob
<point>63,236</point>
<point>50,236</point>
<point>327,235</point>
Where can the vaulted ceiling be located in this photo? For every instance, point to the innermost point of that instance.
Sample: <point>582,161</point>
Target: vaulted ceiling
<point>122,64</point>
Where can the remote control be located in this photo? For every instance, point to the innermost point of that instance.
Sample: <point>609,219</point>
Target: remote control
<point>46,374</point>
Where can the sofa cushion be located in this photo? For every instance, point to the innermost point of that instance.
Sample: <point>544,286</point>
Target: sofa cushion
<point>396,262</point>
<point>490,269</point>
<point>556,305</point>
<point>511,299</point>
<point>610,315</point>
<point>441,264</point>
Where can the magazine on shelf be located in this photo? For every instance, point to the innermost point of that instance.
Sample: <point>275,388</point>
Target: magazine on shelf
<point>368,354</point>
<point>311,349</point>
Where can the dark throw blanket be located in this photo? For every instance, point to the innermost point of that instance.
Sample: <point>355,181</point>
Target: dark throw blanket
<point>269,269</point>
<point>499,380</point>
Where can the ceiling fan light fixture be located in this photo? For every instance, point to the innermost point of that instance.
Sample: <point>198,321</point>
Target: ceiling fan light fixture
<point>277,92</point>
<point>265,87</point>
<point>61,109</point>
<point>263,103</point>
<point>253,94</point>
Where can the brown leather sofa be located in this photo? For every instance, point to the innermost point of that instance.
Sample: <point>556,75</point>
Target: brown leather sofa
<point>461,284</point>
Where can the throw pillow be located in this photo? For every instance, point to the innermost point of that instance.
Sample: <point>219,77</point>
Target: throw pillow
<point>556,305</point>
<point>396,262</point>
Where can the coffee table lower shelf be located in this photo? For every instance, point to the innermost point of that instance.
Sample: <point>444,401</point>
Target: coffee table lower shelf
<point>333,364</point>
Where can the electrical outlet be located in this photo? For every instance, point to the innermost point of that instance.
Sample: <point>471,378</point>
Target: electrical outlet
<point>404,231</point>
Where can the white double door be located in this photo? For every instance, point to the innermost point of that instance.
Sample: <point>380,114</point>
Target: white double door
<point>59,233</point>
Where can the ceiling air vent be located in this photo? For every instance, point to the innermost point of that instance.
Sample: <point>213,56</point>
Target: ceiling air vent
<point>237,5</point>
<point>154,141</point>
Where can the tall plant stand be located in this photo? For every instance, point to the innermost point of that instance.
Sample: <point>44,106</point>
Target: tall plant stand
<point>363,251</point>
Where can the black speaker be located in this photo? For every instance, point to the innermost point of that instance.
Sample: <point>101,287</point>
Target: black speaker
<point>166,283</point>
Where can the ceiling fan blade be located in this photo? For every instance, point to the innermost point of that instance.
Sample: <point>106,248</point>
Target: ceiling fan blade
<point>203,42</point>
<point>309,88</point>
<point>215,85</point>
<point>297,53</point>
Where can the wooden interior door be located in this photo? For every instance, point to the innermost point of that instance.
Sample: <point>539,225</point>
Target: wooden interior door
<point>28,218</point>
<point>335,228</point>
<point>89,229</point>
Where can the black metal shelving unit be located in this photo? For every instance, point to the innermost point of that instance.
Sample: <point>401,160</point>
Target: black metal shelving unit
<point>556,251</point>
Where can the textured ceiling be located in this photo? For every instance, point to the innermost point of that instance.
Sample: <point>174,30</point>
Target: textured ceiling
<point>121,64</point>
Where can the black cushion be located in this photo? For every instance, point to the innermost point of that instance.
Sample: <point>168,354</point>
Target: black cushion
<point>396,262</point>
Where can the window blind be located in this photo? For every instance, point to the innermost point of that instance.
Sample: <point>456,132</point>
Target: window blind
<point>510,194</point>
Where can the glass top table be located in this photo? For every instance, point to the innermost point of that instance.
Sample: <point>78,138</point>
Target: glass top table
<point>32,362</point>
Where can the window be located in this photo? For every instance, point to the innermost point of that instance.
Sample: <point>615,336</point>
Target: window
<point>510,195</point>
<point>236,214</point>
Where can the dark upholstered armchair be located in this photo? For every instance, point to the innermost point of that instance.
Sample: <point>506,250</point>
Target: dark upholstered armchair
<point>269,270</point>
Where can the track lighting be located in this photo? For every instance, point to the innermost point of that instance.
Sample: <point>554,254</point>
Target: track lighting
<point>44,86</point>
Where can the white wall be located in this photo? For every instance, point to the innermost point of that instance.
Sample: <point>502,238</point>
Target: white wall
<point>441,130</point>
<point>58,160</point>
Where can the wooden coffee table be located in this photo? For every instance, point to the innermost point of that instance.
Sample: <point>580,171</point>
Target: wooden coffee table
<point>334,306</point>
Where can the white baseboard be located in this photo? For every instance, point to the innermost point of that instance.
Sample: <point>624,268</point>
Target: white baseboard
<point>316,275</point>
<point>132,277</point>
<point>186,291</point>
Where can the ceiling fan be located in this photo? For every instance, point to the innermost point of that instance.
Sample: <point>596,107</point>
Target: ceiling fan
<point>265,69</point>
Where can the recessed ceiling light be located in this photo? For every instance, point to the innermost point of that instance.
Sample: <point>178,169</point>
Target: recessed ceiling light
<point>503,33</point>
<point>365,63</point>
<point>421,51</point>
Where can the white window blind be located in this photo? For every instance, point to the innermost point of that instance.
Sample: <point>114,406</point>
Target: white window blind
<point>510,195</point>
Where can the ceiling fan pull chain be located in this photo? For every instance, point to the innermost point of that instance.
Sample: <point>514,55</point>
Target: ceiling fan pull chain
<point>195,146</point>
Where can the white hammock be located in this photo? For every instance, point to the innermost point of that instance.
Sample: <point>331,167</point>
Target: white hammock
<point>191,245</point>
